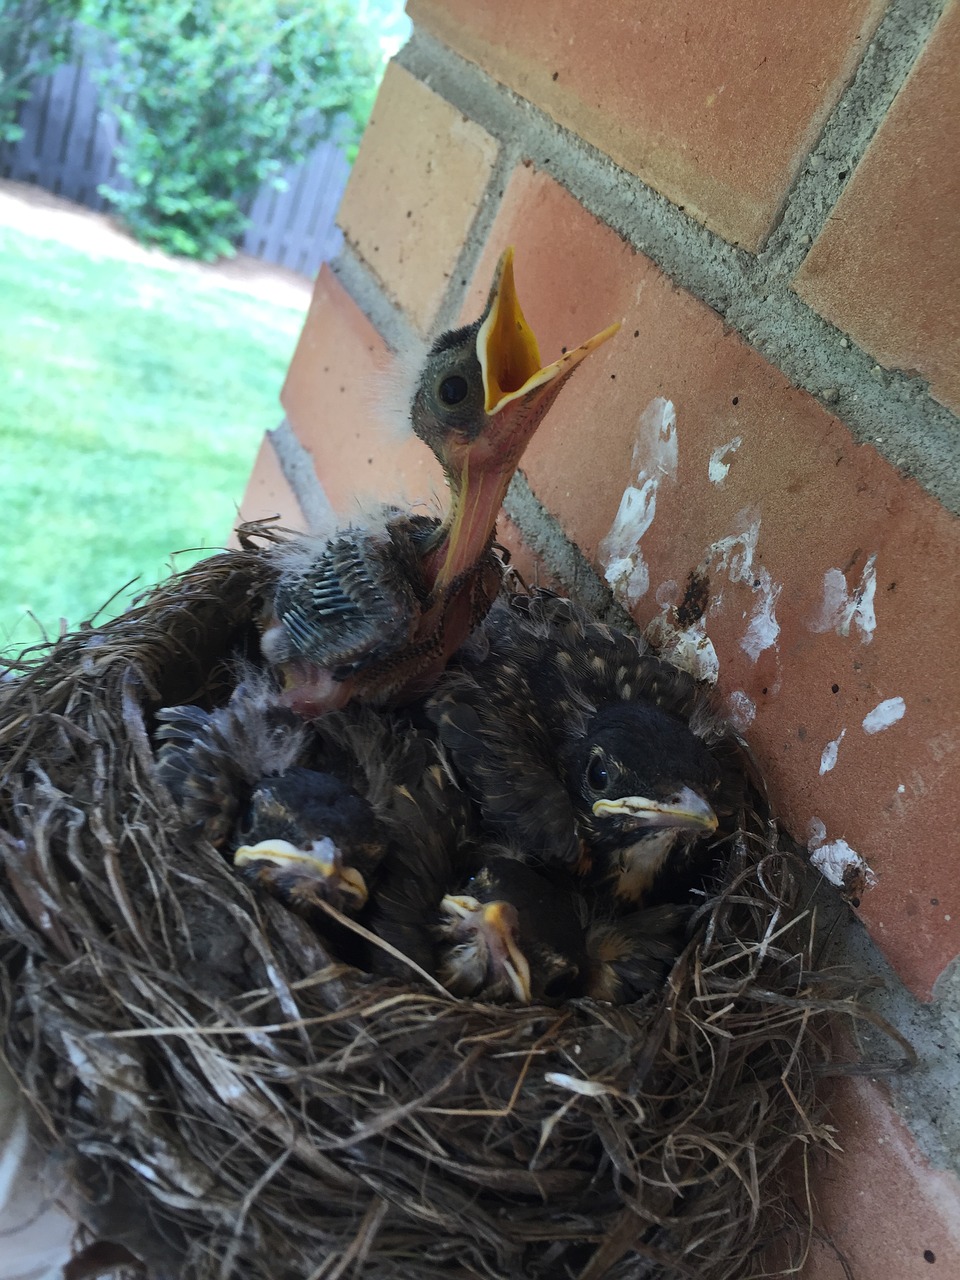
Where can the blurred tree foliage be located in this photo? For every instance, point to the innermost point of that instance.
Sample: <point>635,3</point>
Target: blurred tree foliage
<point>35,36</point>
<point>215,96</point>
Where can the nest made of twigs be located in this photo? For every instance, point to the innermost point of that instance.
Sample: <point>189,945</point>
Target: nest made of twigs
<point>225,1098</point>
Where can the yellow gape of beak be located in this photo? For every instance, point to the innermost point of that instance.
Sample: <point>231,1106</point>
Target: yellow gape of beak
<point>321,862</point>
<point>507,349</point>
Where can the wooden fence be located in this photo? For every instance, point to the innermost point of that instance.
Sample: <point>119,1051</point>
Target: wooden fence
<point>69,147</point>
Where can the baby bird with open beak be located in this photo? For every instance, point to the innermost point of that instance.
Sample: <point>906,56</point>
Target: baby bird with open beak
<point>375,613</point>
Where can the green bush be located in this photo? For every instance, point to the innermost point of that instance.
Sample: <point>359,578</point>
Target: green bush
<point>214,96</point>
<point>35,36</point>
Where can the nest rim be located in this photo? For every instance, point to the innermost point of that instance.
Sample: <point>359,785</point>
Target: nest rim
<point>438,1135</point>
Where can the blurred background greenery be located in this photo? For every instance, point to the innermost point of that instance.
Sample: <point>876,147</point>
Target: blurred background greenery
<point>132,401</point>
<point>133,394</point>
<point>212,96</point>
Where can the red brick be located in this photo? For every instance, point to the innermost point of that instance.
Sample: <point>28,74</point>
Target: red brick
<point>268,493</point>
<point>715,105</point>
<point>331,395</point>
<point>888,1213</point>
<point>418,180</point>
<point>825,503</point>
<point>886,267</point>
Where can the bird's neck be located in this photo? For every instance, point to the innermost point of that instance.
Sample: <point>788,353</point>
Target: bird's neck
<point>465,534</point>
<point>640,864</point>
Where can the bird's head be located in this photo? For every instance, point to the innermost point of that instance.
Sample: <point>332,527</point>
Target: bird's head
<point>511,935</point>
<point>303,836</point>
<point>641,782</point>
<point>302,874</point>
<point>481,395</point>
<point>480,952</point>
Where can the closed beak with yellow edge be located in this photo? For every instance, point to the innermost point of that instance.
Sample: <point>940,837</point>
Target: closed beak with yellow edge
<point>686,811</point>
<point>299,875</point>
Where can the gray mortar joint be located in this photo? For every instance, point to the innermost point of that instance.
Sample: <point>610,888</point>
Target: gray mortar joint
<point>889,410</point>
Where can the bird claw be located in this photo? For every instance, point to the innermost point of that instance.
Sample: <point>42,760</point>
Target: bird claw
<point>301,876</point>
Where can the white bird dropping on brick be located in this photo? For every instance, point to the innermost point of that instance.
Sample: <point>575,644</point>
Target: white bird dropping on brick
<point>828,757</point>
<point>838,863</point>
<point>734,554</point>
<point>743,709</point>
<point>689,648</point>
<point>884,714</point>
<point>841,608</point>
<point>841,865</point>
<point>763,628</point>
<point>654,460</point>
<point>717,468</point>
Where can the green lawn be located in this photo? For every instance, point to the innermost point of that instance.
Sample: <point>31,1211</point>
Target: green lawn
<point>132,402</point>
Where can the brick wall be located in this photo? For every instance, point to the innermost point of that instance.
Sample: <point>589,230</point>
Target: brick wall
<point>768,198</point>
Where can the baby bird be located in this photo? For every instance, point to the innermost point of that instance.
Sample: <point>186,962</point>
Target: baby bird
<point>210,761</point>
<point>641,786</point>
<point>300,807</point>
<point>375,613</point>
<point>467,911</point>
<point>309,835</point>
<point>586,749</point>
<point>511,934</point>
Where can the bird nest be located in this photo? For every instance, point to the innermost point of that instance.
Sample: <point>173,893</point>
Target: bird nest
<point>225,1097</point>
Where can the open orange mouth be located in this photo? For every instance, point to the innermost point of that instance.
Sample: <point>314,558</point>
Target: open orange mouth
<point>508,351</point>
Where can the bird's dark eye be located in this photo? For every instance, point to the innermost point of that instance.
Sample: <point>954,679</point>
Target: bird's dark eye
<point>598,776</point>
<point>454,389</point>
